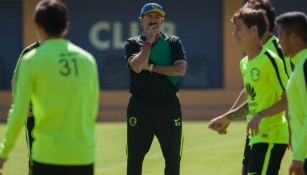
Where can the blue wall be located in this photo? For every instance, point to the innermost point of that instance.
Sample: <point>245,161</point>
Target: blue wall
<point>282,6</point>
<point>10,40</point>
<point>103,26</point>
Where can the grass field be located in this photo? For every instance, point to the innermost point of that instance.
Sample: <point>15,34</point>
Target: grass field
<point>204,153</point>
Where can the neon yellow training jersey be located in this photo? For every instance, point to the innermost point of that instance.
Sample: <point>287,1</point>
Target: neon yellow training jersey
<point>61,80</point>
<point>272,45</point>
<point>264,89</point>
<point>297,104</point>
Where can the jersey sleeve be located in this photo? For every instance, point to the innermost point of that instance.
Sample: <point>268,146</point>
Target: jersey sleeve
<point>26,50</point>
<point>96,90</point>
<point>300,153</point>
<point>177,49</point>
<point>131,47</point>
<point>19,108</point>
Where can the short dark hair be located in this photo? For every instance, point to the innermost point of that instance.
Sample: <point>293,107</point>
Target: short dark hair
<point>52,15</point>
<point>294,22</point>
<point>267,6</point>
<point>252,17</point>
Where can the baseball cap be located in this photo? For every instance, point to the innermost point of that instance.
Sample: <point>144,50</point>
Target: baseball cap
<point>152,7</point>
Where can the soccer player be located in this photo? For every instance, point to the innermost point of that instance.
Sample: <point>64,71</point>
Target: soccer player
<point>264,80</point>
<point>30,120</point>
<point>292,31</point>
<point>156,62</point>
<point>61,80</point>
<point>269,41</point>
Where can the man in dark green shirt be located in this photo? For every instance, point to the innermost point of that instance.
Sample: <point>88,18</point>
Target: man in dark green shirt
<point>156,62</point>
<point>61,81</point>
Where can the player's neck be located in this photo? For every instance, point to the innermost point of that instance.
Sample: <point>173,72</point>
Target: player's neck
<point>299,47</point>
<point>253,50</point>
<point>44,36</point>
<point>157,37</point>
<point>50,38</point>
<point>267,35</point>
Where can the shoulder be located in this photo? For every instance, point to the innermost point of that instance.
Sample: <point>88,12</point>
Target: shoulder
<point>273,40</point>
<point>301,69</point>
<point>172,38</point>
<point>30,47</point>
<point>270,60</point>
<point>244,60</point>
<point>271,56</point>
<point>74,48</point>
<point>133,44</point>
<point>174,41</point>
<point>134,40</point>
<point>243,63</point>
<point>270,53</point>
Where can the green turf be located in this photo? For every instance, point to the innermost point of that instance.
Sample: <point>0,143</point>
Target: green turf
<point>204,153</point>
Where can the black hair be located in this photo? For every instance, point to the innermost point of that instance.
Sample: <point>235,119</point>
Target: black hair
<point>252,17</point>
<point>52,15</point>
<point>267,6</point>
<point>294,22</point>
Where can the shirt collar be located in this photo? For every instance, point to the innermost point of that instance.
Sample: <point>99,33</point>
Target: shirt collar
<point>270,40</point>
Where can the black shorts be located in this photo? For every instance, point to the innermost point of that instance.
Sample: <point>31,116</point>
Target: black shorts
<point>30,126</point>
<point>263,158</point>
<point>30,139</point>
<point>305,166</point>
<point>48,169</point>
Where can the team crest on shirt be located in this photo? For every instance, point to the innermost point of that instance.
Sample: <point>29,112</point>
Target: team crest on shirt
<point>132,121</point>
<point>255,74</point>
<point>250,91</point>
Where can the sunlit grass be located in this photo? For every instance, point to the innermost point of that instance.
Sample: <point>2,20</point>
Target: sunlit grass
<point>204,153</point>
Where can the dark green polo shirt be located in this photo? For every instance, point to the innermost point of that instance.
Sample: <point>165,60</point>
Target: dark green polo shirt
<point>165,51</point>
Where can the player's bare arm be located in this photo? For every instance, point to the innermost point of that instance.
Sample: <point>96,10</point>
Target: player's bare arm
<point>239,112</point>
<point>240,99</point>
<point>278,107</point>
<point>296,168</point>
<point>178,69</point>
<point>221,123</point>
<point>139,61</point>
